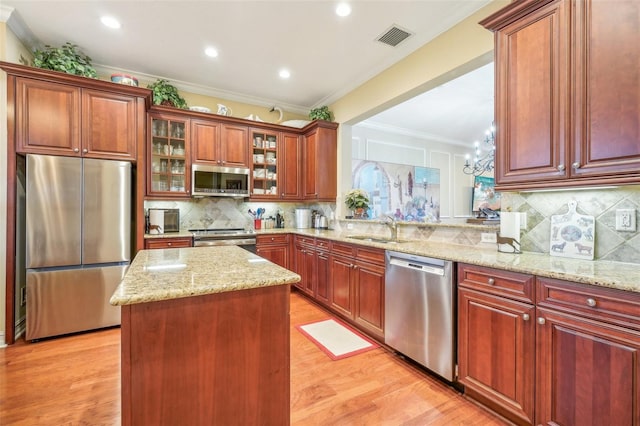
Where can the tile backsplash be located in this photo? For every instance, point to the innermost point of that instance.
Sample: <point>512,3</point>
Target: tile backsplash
<point>620,246</point>
<point>205,213</point>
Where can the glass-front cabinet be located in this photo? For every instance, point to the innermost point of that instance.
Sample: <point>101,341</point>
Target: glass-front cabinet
<point>169,154</point>
<point>265,164</point>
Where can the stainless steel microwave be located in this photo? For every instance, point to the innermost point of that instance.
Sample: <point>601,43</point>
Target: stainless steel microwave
<point>207,181</point>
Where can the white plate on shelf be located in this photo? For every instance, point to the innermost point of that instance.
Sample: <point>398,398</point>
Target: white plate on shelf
<point>199,109</point>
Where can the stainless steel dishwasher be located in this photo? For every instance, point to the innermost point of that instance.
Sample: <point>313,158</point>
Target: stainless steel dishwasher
<point>420,310</point>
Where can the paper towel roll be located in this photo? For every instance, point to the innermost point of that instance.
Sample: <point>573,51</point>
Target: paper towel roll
<point>509,238</point>
<point>156,221</point>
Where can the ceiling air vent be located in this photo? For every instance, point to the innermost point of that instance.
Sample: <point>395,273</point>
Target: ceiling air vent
<point>394,36</point>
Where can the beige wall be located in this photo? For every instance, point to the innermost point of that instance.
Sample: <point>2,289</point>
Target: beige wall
<point>455,52</point>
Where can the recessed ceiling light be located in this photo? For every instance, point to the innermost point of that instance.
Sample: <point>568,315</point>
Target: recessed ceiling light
<point>343,9</point>
<point>211,52</point>
<point>110,22</point>
<point>285,73</point>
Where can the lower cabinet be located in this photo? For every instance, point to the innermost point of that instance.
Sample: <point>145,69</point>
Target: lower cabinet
<point>163,243</point>
<point>588,355</point>
<point>496,340</point>
<point>357,286</point>
<point>304,263</point>
<point>274,248</point>
<point>568,356</point>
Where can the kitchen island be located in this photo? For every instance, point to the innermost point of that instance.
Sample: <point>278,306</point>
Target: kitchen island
<point>205,338</point>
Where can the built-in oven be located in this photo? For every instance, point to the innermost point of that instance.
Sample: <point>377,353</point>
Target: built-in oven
<point>224,237</point>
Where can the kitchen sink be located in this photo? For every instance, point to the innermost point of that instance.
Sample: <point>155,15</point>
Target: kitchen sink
<point>380,240</point>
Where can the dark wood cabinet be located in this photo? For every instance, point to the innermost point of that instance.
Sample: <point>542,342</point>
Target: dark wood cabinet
<point>342,292</point>
<point>289,166</point>
<point>320,162</point>
<point>109,125</point>
<point>549,352</point>
<point>168,242</point>
<point>61,119</point>
<point>169,151</point>
<point>305,263</point>
<point>219,144</point>
<point>496,340</point>
<point>323,271</point>
<point>47,117</point>
<point>234,145</point>
<point>588,372</point>
<point>567,98</point>
<point>588,355</point>
<point>369,290</point>
<point>274,248</point>
<point>357,286</point>
<point>205,142</point>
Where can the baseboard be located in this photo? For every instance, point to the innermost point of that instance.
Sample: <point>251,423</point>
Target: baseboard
<point>2,343</point>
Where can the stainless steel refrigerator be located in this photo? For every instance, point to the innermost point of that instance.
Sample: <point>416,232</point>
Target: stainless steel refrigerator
<point>78,242</point>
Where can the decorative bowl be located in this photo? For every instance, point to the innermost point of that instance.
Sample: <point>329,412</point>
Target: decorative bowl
<point>125,79</point>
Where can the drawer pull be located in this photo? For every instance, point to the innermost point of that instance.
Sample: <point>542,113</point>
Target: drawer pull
<point>541,321</point>
<point>168,244</point>
<point>525,317</point>
<point>591,302</point>
<point>491,281</point>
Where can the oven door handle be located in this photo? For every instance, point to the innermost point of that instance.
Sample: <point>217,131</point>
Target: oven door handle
<point>224,242</point>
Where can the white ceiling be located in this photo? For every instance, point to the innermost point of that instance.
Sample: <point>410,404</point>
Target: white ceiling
<point>457,112</point>
<point>327,56</point>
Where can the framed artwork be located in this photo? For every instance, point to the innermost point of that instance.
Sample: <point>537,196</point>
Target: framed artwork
<point>484,194</point>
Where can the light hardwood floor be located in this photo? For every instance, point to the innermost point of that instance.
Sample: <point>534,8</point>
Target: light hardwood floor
<point>75,380</point>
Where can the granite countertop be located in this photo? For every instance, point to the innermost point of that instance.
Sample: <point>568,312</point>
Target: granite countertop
<point>164,274</point>
<point>621,276</point>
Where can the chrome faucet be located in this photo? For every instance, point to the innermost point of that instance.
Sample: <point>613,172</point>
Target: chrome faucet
<point>391,222</point>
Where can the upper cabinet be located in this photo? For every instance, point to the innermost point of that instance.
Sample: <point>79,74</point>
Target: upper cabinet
<point>169,155</point>
<point>219,144</point>
<point>567,93</point>
<point>275,165</point>
<point>320,162</point>
<point>59,114</point>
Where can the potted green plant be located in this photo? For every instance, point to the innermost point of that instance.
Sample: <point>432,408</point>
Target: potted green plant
<point>357,200</point>
<point>165,93</point>
<point>66,59</point>
<point>321,113</point>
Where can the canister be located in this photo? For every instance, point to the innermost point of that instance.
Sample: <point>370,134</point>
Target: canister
<point>303,218</point>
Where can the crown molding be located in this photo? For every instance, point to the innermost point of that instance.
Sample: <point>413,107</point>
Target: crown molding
<point>199,89</point>
<point>18,27</point>
<point>412,133</point>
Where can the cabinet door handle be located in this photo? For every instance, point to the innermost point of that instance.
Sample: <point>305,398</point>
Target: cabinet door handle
<point>525,317</point>
<point>85,150</point>
<point>576,165</point>
<point>591,302</point>
<point>273,239</point>
<point>560,167</point>
<point>541,321</point>
<point>491,281</point>
<point>76,149</point>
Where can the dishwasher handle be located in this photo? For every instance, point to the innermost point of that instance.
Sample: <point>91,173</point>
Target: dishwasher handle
<point>417,266</point>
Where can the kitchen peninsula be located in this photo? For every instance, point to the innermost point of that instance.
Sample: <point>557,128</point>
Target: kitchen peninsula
<point>205,338</point>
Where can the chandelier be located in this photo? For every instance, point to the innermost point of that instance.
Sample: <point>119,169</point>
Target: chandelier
<point>482,163</point>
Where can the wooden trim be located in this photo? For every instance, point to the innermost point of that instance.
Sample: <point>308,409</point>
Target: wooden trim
<point>140,175</point>
<point>9,334</point>
<point>512,12</point>
<point>74,80</point>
